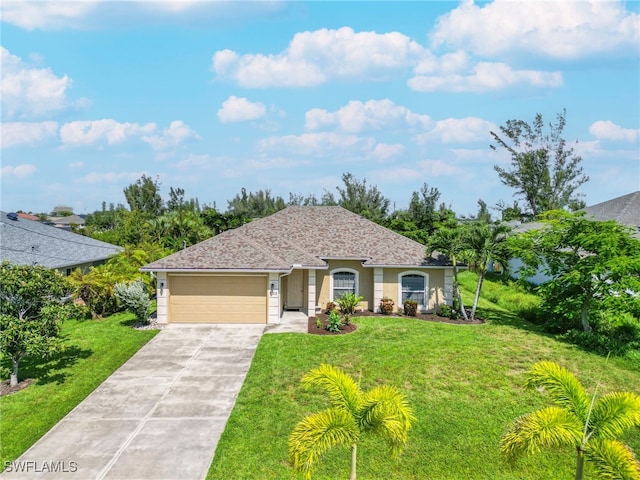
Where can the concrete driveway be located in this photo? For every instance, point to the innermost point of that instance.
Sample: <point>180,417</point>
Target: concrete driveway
<point>159,416</point>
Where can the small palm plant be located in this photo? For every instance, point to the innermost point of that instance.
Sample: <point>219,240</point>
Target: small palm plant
<point>382,410</point>
<point>590,426</point>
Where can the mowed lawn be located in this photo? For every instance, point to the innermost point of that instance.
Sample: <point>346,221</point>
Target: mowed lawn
<point>465,383</point>
<point>93,349</point>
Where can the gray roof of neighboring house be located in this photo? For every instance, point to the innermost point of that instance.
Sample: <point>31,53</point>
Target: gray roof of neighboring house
<point>26,241</point>
<point>301,237</point>
<point>66,221</point>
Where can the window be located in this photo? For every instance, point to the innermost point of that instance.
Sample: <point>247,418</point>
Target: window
<point>413,286</point>
<point>343,281</point>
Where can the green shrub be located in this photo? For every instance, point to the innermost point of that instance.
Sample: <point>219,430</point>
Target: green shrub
<point>133,297</point>
<point>318,323</point>
<point>348,303</point>
<point>386,306</point>
<point>410,308</point>
<point>334,322</point>
<point>449,311</point>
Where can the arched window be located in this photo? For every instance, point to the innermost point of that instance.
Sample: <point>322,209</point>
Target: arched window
<point>343,280</point>
<point>414,286</point>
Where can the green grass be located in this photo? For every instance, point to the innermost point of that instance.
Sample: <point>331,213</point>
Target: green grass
<point>93,350</point>
<point>502,291</point>
<point>464,382</point>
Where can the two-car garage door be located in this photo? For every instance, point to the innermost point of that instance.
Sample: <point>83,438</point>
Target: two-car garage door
<point>217,299</point>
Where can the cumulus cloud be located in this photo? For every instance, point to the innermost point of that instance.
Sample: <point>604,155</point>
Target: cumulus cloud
<point>607,130</point>
<point>239,109</point>
<point>359,116</point>
<point>458,130</point>
<point>323,144</point>
<point>90,132</point>
<point>563,30</point>
<point>27,92</point>
<point>171,137</point>
<point>438,168</point>
<point>109,177</point>
<point>13,134</point>
<point>18,171</point>
<point>314,58</point>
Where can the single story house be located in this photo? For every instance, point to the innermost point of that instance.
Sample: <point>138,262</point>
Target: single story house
<point>299,258</point>
<point>28,242</point>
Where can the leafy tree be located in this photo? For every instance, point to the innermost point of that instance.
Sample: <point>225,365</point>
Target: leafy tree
<point>177,201</point>
<point>133,297</point>
<point>178,229</point>
<point>383,410</point>
<point>255,205</point>
<point>593,265</point>
<point>483,214</point>
<point>359,198</point>
<point>30,312</point>
<point>144,196</point>
<point>220,222</point>
<point>485,242</point>
<point>590,426</point>
<point>544,172</point>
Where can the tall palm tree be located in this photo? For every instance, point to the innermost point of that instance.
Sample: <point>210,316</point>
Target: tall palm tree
<point>382,410</point>
<point>590,426</point>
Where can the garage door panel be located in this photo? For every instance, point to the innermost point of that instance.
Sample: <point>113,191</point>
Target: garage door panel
<point>211,299</point>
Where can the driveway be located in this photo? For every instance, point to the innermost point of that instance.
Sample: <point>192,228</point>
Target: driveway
<point>159,416</point>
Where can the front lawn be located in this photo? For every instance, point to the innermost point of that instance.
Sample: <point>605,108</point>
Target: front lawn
<point>93,350</point>
<point>464,382</point>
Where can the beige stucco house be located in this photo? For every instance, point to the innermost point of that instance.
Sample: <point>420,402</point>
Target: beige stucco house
<point>299,258</point>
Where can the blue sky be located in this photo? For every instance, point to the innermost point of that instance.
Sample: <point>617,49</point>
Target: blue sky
<point>286,96</point>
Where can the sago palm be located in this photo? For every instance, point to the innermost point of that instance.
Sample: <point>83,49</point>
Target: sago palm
<point>383,410</point>
<point>589,425</point>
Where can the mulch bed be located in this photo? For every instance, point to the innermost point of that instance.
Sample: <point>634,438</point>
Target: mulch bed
<point>7,389</point>
<point>427,317</point>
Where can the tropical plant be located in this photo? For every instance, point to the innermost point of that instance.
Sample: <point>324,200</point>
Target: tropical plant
<point>348,302</point>
<point>591,426</point>
<point>334,322</point>
<point>410,307</point>
<point>133,297</point>
<point>383,410</point>
<point>386,305</point>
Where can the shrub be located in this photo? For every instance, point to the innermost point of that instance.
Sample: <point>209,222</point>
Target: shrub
<point>386,305</point>
<point>348,302</point>
<point>410,308</point>
<point>346,319</point>
<point>449,311</point>
<point>134,298</point>
<point>318,323</point>
<point>331,306</point>
<point>334,323</point>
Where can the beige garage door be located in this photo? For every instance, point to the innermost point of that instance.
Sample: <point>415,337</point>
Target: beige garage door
<point>224,299</point>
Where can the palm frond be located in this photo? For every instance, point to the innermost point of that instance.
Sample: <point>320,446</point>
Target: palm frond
<point>561,385</point>
<point>612,459</point>
<point>316,434</point>
<point>614,414</point>
<point>549,427</point>
<point>342,389</point>
<point>386,411</point>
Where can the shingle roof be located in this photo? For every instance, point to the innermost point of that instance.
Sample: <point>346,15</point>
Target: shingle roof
<point>624,210</point>
<point>300,236</point>
<point>26,242</point>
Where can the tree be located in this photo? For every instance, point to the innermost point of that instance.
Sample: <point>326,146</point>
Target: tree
<point>383,410</point>
<point>449,240</point>
<point>590,426</point>
<point>544,172</point>
<point>144,196</point>
<point>593,265</point>
<point>361,199</point>
<point>255,204</point>
<point>485,242</point>
<point>220,222</point>
<point>30,312</point>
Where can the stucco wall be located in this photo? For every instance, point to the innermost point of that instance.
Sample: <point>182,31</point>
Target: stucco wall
<point>365,281</point>
<point>436,285</point>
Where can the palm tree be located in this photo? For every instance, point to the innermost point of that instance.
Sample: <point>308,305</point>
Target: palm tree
<point>590,426</point>
<point>485,242</point>
<point>382,410</point>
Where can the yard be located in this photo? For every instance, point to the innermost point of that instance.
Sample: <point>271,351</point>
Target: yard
<point>464,382</point>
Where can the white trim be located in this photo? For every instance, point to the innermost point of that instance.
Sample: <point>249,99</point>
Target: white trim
<point>343,269</point>
<point>426,267</point>
<point>426,287</point>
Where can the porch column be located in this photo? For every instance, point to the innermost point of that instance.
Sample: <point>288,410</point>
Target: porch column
<point>448,286</point>
<point>311,294</point>
<point>273,298</point>
<point>378,287</point>
<point>162,297</point>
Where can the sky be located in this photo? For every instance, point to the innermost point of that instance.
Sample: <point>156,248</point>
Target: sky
<point>214,96</point>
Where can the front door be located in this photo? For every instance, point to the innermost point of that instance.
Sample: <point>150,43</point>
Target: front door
<point>295,290</point>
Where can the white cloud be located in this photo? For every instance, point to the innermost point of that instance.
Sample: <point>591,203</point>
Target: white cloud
<point>76,165</point>
<point>383,151</point>
<point>459,130</point>
<point>395,175</point>
<point>109,177</point>
<point>19,171</point>
<point>483,77</point>
<point>560,29</point>
<point>313,58</point>
<point>90,132</point>
<point>13,134</point>
<point>177,133</point>
<point>323,144</point>
<point>31,15</point>
<point>438,168</point>
<point>359,116</point>
<point>607,130</point>
<point>30,92</point>
<point>239,109</point>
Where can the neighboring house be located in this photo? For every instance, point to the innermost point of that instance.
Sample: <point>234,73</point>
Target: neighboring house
<point>28,216</point>
<point>299,258</point>
<point>625,210</point>
<point>26,242</point>
<point>66,221</point>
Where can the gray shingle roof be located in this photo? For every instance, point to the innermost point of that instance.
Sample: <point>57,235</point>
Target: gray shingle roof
<point>624,210</point>
<point>300,236</point>
<point>26,241</point>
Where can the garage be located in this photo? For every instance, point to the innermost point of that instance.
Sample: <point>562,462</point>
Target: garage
<point>218,299</point>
